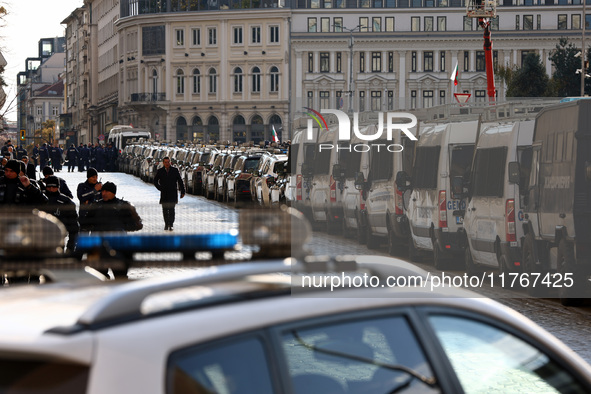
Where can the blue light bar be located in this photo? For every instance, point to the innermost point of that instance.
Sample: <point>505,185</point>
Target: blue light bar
<point>159,243</point>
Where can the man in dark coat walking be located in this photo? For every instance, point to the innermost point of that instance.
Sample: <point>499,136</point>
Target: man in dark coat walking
<point>63,208</point>
<point>168,180</point>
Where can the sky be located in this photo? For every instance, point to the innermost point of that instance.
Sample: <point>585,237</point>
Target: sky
<point>26,23</point>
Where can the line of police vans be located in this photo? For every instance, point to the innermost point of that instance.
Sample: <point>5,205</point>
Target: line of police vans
<point>512,195</point>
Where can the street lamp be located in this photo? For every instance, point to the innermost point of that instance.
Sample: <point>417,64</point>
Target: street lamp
<point>351,88</point>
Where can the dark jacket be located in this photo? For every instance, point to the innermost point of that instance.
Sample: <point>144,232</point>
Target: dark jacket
<point>87,196</point>
<point>12,191</point>
<point>113,215</point>
<point>72,154</point>
<point>31,171</point>
<point>169,184</point>
<point>63,208</point>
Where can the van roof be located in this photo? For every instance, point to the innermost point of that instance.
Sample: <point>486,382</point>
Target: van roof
<point>504,134</point>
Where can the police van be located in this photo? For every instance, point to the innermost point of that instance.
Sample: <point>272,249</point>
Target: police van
<point>496,193</point>
<point>557,206</point>
<point>121,135</point>
<point>435,211</point>
<point>384,208</point>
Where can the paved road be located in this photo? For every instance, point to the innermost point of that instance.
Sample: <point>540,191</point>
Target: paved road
<point>197,214</point>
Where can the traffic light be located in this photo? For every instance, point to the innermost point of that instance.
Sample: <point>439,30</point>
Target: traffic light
<point>23,134</point>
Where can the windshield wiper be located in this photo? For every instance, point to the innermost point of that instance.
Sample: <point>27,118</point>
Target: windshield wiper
<point>431,382</point>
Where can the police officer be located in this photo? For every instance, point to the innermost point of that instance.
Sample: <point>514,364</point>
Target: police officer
<point>54,153</point>
<point>43,156</point>
<point>100,158</point>
<point>35,156</point>
<point>16,188</point>
<point>64,189</point>
<point>72,156</point>
<point>63,208</point>
<point>84,158</point>
<point>88,193</point>
<point>31,170</point>
<point>20,152</point>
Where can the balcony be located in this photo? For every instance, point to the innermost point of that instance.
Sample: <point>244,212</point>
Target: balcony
<point>147,97</point>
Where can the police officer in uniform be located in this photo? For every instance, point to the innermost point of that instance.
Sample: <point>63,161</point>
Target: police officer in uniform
<point>72,156</point>
<point>63,208</point>
<point>43,156</point>
<point>88,193</point>
<point>18,189</point>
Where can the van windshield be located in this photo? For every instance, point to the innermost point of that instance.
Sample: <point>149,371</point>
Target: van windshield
<point>426,167</point>
<point>126,140</point>
<point>350,160</point>
<point>488,179</point>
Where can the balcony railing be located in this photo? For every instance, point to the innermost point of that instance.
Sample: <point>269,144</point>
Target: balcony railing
<point>147,97</point>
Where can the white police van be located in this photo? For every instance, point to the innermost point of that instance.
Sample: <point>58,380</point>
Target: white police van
<point>121,135</point>
<point>435,213</point>
<point>501,165</point>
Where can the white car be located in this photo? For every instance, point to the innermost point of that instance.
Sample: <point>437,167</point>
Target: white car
<point>242,328</point>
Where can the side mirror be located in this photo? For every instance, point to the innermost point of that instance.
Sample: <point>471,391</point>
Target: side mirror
<point>457,187</point>
<point>338,171</point>
<point>359,181</point>
<point>514,172</point>
<point>403,181</point>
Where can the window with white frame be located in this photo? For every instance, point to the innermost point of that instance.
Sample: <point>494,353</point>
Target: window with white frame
<point>274,79</point>
<point>213,81</point>
<point>312,25</point>
<point>324,100</point>
<point>325,25</point>
<point>255,35</point>
<point>256,80</point>
<point>427,98</point>
<point>467,23</point>
<point>212,36</point>
<point>376,24</point>
<point>363,22</point>
<point>361,100</point>
<point>376,100</point>
<point>196,37</point>
<point>428,61</point>
<point>196,81</point>
<point>480,95</point>
<point>238,77</point>
<point>237,35</point>
<point>179,37</point>
<point>55,111</point>
<point>273,34</point>
<point>310,99</point>
<point>338,25</point>
<point>376,62</point>
<point>180,81</point>
<point>39,111</point>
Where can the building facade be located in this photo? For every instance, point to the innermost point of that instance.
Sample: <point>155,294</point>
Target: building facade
<point>228,70</point>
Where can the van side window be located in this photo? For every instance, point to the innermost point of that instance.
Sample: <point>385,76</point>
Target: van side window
<point>569,146</point>
<point>558,147</point>
<point>461,162</point>
<point>489,172</point>
<point>548,152</point>
<point>426,167</point>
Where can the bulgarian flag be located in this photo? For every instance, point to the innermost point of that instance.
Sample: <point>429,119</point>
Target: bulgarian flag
<point>454,74</point>
<point>274,135</point>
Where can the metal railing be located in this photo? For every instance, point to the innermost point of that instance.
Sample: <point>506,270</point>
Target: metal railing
<point>147,97</point>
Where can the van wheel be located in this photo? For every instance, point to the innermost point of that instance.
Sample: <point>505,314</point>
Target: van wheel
<point>506,272</point>
<point>439,261</point>
<point>566,265</point>
<point>413,253</point>
<point>394,245</point>
<point>529,265</point>
<point>471,268</point>
<point>372,240</point>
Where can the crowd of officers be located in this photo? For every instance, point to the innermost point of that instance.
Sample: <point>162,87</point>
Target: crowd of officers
<point>103,158</point>
<point>100,209</point>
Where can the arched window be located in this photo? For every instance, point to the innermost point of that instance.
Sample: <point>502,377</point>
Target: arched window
<point>256,80</point>
<point>196,81</point>
<point>239,129</point>
<point>275,125</point>
<point>257,129</point>
<point>213,129</point>
<point>180,81</point>
<point>213,81</point>
<point>181,128</point>
<point>238,80</point>
<point>274,82</point>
